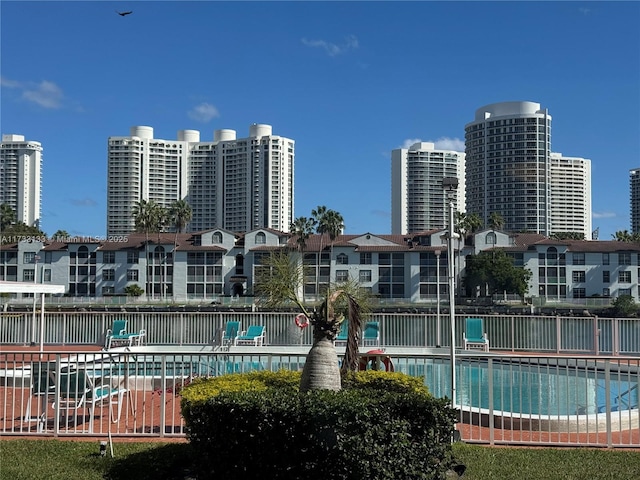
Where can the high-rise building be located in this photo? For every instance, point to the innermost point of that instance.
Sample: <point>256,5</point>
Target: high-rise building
<point>571,195</point>
<point>21,178</point>
<point>418,201</point>
<point>236,184</point>
<point>508,168</point>
<point>634,186</point>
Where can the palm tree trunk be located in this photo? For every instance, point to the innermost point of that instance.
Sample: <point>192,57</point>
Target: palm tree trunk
<point>321,370</point>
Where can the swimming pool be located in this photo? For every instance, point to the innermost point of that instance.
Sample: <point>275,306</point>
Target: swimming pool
<point>538,388</point>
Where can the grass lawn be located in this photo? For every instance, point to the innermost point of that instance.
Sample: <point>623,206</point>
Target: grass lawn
<point>62,460</point>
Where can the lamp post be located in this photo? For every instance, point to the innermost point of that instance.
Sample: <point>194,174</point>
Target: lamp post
<point>35,299</point>
<point>438,335</point>
<point>450,185</point>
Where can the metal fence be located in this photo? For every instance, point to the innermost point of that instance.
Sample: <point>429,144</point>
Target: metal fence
<point>502,399</point>
<point>515,333</point>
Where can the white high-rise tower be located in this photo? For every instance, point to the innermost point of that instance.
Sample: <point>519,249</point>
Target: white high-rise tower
<point>508,165</point>
<point>418,201</point>
<point>236,184</point>
<point>21,178</point>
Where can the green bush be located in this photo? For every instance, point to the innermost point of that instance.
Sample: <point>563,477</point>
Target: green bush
<point>381,426</point>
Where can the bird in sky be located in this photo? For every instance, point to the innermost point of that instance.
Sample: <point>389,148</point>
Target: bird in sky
<point>123,14</point>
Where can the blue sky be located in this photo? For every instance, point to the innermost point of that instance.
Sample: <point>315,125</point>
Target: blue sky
<point>348,81</point>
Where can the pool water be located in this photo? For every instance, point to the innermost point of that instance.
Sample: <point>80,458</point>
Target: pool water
<point>530,389</point>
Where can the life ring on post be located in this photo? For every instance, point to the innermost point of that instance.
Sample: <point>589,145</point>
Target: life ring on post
<point>302,321</point>
<point>373,359</point>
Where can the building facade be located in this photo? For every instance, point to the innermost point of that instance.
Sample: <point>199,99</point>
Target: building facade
<point>21,178</point>
<point>230,183</point>
<point>418,201</point>
<point>634,198</point>
<point>208,265</point>
<point>571,195</point>
<point>508,165</point>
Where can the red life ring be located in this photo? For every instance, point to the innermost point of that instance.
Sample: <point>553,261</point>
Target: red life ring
<point>302,321</point>
<point>369,361</point>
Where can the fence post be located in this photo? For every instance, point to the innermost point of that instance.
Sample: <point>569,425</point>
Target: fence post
<point>558,334</point>
<point>596,335</point>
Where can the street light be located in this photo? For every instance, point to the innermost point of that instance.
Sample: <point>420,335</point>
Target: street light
<point>438,336</point>
<point>450,185</point>
<point>35,299</point>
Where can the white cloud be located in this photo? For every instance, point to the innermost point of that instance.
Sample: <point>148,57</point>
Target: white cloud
<point>603,215</point>
<point>333,49</point>
<point>45,94</point>
<point>203,112</point>
<point>446,143</point>
<point>443,143</point>
<point>410,141</point>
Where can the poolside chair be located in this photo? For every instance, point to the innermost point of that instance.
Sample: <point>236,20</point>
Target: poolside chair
<point>75,389</point>
<point>230,334</point>
<point>42,386</point>
<point>254,335</point>
<point>343,333</point>
<point>475,338</point>
<point>118,335</point>
<point>371,334</point>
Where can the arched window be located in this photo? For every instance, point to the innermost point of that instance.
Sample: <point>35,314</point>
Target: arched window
<point>491,239</point>
<point>342,259</point>
<point>216,237</point>
<point>261,238</point>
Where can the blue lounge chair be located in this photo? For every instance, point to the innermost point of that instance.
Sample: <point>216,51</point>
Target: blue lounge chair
<point>230,334</point>
<point>371,334</point>
<point>254,335</point>
<point>475,338</point>
<point>343,333</point>
<point>118,334</point>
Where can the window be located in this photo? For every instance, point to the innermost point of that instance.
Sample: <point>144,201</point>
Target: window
<point>132,275</point>
<point>606,292</point>
<point>606,278</point>
<point>342,275</point>
<point>108,257</point>
<point>365,275</point>
<point>578,259</point>
<point>578,276</point>
<point>491,238</point>
<point>216,237</point>
<point>605,259</point>
<point>624,277</point>
<point>365,258</point>
<point>624,259</point>
<point>342,259</point>
<point>47,275</point>
<point>29,257</point>
<point>132,257</point>
<point>108,274</point>
<point>579,293</point>
<point>28,275</point>
<point>624,291</point>
<point>261,238</point>
<point>108,290</point>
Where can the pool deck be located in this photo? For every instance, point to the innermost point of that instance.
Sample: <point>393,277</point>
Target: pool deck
<point>134,424</point>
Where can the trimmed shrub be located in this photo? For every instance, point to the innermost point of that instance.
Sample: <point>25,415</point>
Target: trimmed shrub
<point>381,426</point>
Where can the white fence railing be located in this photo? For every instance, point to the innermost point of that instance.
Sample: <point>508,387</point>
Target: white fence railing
<point>516,333</point>
<point>514,399</point>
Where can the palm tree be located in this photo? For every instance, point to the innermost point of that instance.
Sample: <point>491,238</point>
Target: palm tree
<point>496,221</point>
<point>301,228</point>
<point>318,216</point>
<point>180,215</point>
<point>7,216</point>
<point>147,219</point>
<point>279,282</point>
<point>334,227</point>
<point>61,234</point>
<point>626,236</point>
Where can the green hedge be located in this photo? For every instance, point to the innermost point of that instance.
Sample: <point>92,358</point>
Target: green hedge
<point>259,426</point>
